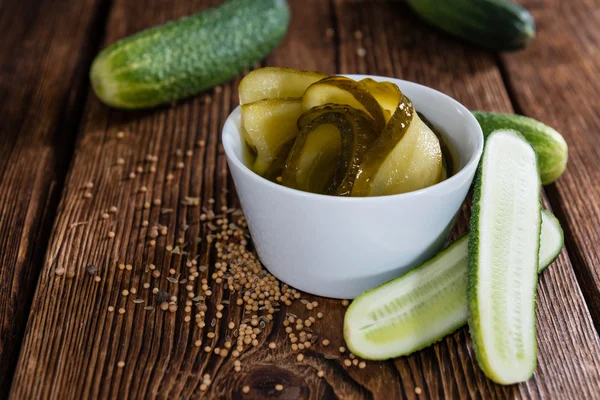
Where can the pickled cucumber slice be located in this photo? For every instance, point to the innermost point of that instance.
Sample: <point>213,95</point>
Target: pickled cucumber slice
<point>327,152</point>
<point>275,82</point>
<point>387,94</point>
<point>267,126</point>
<point>503,258</point>
<point>343,91</point>
<point>406,156</point>
<point>427,303</point>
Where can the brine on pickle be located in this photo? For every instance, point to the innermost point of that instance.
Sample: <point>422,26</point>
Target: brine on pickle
<point>335,136</point>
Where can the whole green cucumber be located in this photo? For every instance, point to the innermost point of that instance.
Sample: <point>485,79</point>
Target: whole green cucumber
<point>494,24</point>
<point>181,58</point>
<point>550,146</point>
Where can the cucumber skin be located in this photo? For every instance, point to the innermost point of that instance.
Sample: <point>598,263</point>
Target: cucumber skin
<point>551,147</point>
<point>494,24</point>
<point>465,236</point>
<point>473,315</point>
<point>184,57</point>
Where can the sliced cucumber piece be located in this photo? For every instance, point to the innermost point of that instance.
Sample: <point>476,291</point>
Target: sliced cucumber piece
<point>552,240</point>
<point>503,258</point>
<point>425,304</point>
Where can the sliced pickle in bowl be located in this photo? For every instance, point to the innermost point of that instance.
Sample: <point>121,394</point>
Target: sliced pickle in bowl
<point>387,94</point>
<point>267,125</point>
<point>327,152</point>
<point>406,156</point>
<point>274,82</point>
<point>343,91</point>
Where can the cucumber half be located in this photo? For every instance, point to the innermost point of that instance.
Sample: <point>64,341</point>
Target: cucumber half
<point>504,257</point>
<point>427,303</point>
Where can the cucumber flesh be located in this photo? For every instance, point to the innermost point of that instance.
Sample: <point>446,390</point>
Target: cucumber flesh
<point>438,286</point>
<point>503,258</point>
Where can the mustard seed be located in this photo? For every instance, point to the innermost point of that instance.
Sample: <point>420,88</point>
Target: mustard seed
<point>128,267</point>
<point>120,135</point>
<point>125,292</point>
<point>120,161</point>
<point>132,175</point>
<point>319,315</point>
<point>347,362</point>
<point>111,234</point>
<point>300,357</point>
<point>105,215</point>
<point>121,364</point>
<point>279,387</point>
<point>342,349</point>
<point>362,365</point>
<point>198,343</point>
<point>345,303</point>
<point>320,373</point>
<point>121,310</point>
<point>97,279</point>
<point>272,345</point>
<point>111,309</point>
<point>246,389</point>
<point>418,390</point>
<point>204,387</point>
<point>112,209</point>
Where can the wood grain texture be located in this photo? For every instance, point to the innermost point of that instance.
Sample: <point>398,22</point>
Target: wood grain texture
<point>44,48</point>
<point>412,51</point>
<point>557,80</point>
<point>73,344</point>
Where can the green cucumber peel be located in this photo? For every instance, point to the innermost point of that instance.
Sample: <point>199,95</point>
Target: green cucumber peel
<point>551,147</point>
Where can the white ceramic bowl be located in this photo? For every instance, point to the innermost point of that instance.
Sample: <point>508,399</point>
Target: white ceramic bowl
<point>341,246</point>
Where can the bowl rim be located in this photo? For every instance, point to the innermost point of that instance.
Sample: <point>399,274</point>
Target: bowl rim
<point>230,126</point>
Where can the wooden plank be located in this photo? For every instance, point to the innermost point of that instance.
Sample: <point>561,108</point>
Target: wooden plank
<point>556,81</point>
<point>43,48</point>
<point>74,344</point>
<point>409,50</point>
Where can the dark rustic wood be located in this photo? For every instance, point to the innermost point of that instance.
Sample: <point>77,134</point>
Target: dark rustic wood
<point>44,49</point>
<point>73,344</point>
<point>409,50</point>
<point>557,80</point>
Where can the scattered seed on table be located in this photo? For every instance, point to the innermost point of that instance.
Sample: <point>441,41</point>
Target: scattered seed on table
<point>362,365</point>
<point>320,373</point>
<point>121,364</point>
<point>128,267</point>
<point>121,310</point>
<point>120,161</point>
<point>418,390</point>
<point>120,135</point>
<point>111,234</point>
<point>97,278</point>
<point>342,349</point>
<point>132,175</point>
<point>279,387</point>
<point>87,195</point>
<point>111,309</point>
<point>347,362</point>
<point>272,345</point>
<point>246,389</point>
<point>300,357</point>
<point>345,302</point>
<point>104,215</point>
<point>113,209</point>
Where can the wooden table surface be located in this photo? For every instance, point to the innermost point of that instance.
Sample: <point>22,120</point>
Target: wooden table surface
<point>57,337</point>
